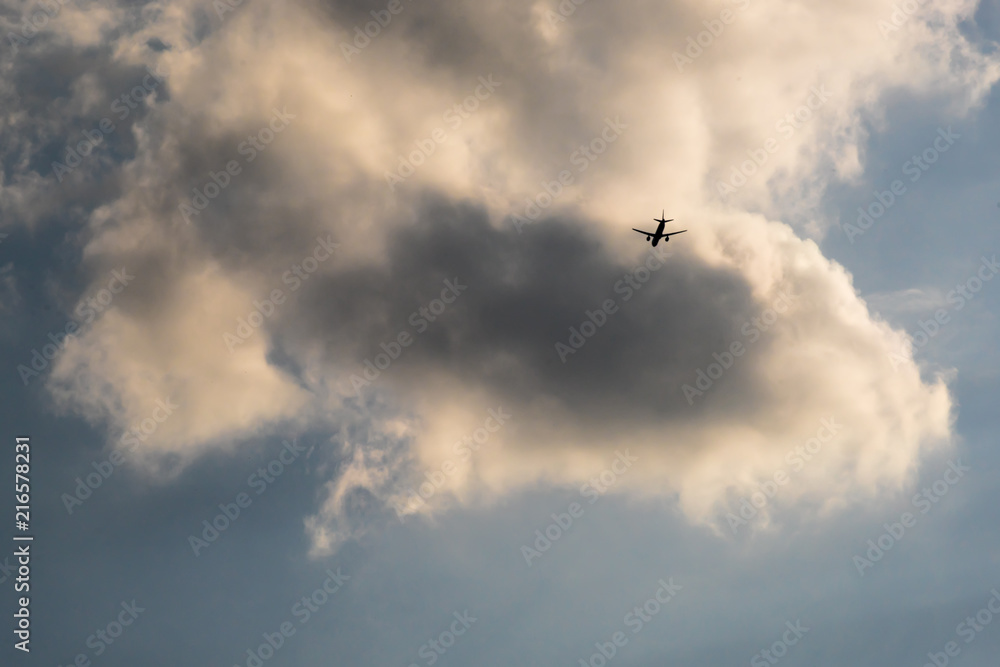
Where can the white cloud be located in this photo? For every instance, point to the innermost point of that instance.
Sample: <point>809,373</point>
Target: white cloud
<point>828,356</point>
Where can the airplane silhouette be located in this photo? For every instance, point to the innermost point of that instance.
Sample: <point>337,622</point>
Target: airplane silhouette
<point>658,234</point>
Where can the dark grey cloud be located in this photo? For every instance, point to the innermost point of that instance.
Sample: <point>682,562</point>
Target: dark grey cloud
<point>525,292</point>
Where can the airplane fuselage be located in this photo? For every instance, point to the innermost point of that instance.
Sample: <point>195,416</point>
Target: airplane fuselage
<point>659,233</point>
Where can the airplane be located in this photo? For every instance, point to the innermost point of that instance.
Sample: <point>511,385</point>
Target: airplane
<point>658,234</point>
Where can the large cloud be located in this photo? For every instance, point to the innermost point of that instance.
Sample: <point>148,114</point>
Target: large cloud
<point>349,121</point>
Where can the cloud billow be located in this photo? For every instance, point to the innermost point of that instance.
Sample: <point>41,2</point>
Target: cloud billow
<point>495,345</point>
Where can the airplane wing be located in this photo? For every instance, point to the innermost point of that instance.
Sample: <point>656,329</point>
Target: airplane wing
<point>673,233</point>
<point>642,232</point>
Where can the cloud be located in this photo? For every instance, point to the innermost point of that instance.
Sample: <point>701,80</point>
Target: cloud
<point>825,357</point>
<point>682,129</point>
<point>165,344</point>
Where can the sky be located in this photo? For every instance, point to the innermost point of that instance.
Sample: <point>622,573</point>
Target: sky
<point>331,342</point>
